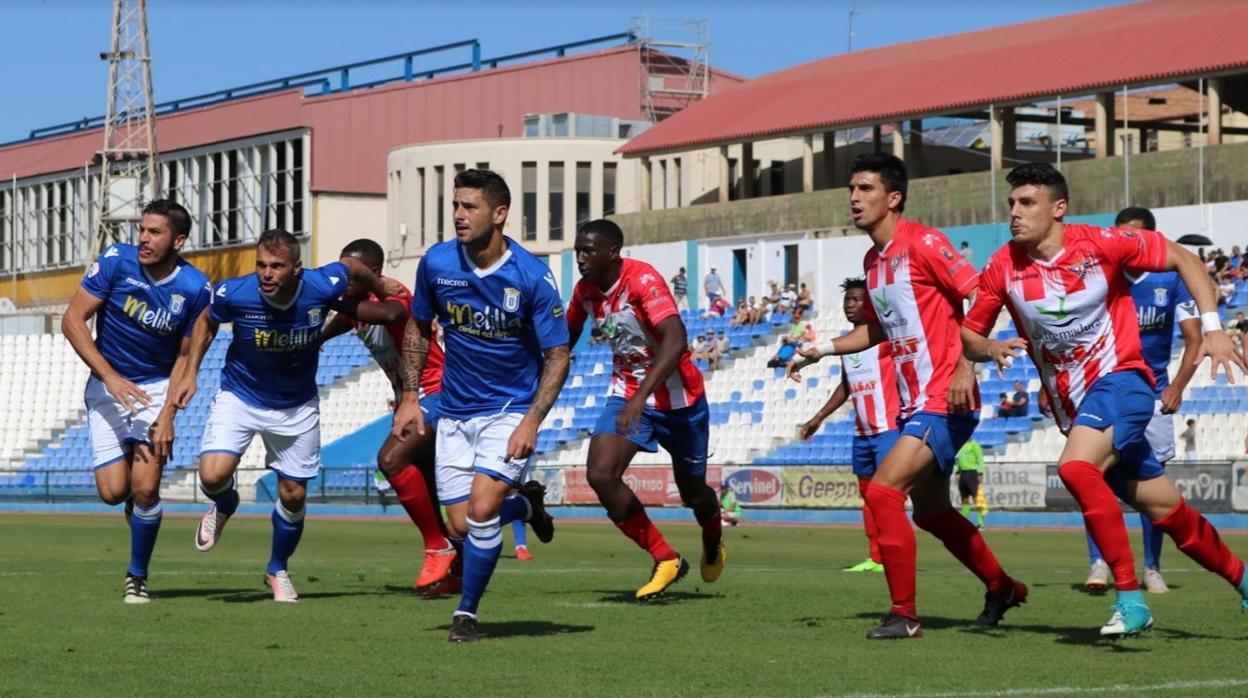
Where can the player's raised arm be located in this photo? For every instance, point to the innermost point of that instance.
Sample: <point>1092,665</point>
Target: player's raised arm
<point>384,312</point>
<point>838,397</point>
<point>83,306</point>
<point>861,338</point>
<point>1216,345</point>
<point>359,273</point>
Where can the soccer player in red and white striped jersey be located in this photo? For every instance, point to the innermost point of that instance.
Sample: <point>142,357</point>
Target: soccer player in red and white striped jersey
<point>657,399</point>
<point>916,284</point>
<point>869,379</point>
<point>1066,288</point>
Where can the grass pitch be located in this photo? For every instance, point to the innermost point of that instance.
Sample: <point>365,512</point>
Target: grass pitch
<point>782,621</point>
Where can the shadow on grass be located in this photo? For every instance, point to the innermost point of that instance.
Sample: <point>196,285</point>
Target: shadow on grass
<point>1062,634</point>
<point>522,628</point>
<point>667,597</point>
<point>237,596</point>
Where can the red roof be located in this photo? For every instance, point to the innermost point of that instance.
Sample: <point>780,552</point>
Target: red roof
<point>1148,42</point>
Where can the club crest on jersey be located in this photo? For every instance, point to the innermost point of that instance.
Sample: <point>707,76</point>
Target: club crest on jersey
<point>946,253</point>
<point>314,316</point>
<point>894,263</point>
<point>511,299</point>
<point>175,303</point>
<point>1160,296</point>
<point>95,269</point>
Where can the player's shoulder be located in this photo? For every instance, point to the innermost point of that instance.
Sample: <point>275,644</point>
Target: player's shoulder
<point>119,252</point>
<point>442,254</point>
<point>191,276</point>
<point>531,270</point>
<point>231,288</point>
<point>917,236</point>
<point>404,293</point>
<point>331,274</point>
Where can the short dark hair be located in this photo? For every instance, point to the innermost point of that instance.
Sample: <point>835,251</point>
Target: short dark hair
<point>364,247</point>
<point>272,239</point>
<point>491,184</point>
<point>1136,213</point>
<point>890,168</point>
<point>179,218</point>
<point>1040,174</point>
<point>853,282</point>
<point>605,229</point>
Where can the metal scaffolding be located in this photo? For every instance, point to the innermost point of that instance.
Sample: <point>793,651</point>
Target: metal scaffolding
<point>675,63</point>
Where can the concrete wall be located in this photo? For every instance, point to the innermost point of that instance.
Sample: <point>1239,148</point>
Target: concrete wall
<point>341,218</point>
<point>1156,179</point>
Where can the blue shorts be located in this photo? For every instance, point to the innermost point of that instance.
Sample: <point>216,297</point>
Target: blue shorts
<point>1124,401</point>
<point>869,452</point>
<point>684,433</point>
<point>431,408</point>
<point>943,433</point>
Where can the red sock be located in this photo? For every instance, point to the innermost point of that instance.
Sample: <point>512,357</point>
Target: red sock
<point>1199,540</point>
<point>1103,519</point>
<point>413,494</point>
<point>712,532</point>
<point>897,549</point>
<point>965,542</point>
<point>868,521</point>
<point>646,534</point>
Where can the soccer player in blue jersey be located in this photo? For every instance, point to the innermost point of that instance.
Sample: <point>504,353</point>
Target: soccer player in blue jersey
<point>506,360</point>
<point>268,387</point>
<point>145,299</point>
<point>1161,301</point>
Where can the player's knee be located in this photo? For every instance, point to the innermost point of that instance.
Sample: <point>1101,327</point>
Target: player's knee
<point>388,460</point>
<point>602,479</point>
<point>214,482</point>
<point>292,494</point>
<point>481,511</point>
<point>145,495</point>
<point>113,496</point>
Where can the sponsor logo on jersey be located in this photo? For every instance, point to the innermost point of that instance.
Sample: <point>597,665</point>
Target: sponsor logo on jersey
<point>458,283</point>
<point>946,253</point>
<point>511,299</point>
<point>292,339</point>
<point>157,320</point>
<point>882,304</point>
<point>135,282</point>
<point>488,322</point>
<point>1058,314</point>
<point>111,252</point>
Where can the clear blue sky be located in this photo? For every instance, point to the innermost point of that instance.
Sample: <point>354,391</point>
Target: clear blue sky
<point>50,48</point>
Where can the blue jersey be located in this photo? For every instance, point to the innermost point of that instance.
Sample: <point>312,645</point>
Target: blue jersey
<point>496,324</point>
<point>1161,300</point>
<point>275,351</point>
<point>140,328</point>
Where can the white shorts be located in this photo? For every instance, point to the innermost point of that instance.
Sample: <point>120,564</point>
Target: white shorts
<point>477,445</point>
<point>1160,434</point>
<point>114,429</point>
<point>291,436</point>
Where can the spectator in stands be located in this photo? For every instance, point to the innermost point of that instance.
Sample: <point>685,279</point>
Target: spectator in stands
<point>700,345</point>
<point>1226,288</point>
<point>713,285</point>
<point>729,507</point>
<point>758,311</point>
<point>787,350</point>
<point>772,299</point>
<point>800,332</point>
<point>788,299</point>
<point>967,253</point>
<point>723,345</point>
<point>1021,398</point>
<point>805,303</point>
<point>1237,328</point>
<point>1005,406</point>
<point>1189,441</point>
<point>742,316</point>
<point>717,309</point>
<point>680,289</point>
<point>711,350</point>
<point>1236,258</point>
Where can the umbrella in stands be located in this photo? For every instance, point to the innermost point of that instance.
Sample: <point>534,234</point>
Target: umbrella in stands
<point>1195,239</point>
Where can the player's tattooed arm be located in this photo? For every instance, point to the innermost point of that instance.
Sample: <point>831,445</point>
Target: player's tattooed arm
<point>556,362</point>
<point>416,338</point>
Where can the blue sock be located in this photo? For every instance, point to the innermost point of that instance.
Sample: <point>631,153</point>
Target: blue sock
<point>1094,553</point>
<point>515,508</point>
<point>144,525</point>
<point>225,498</point>
<point>1131,598</point>
<point>287,529</point>
<point>520,533</point>
<point>1153,539</point>
<point>481,551</point>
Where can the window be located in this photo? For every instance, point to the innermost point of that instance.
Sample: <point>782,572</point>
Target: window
<point>528,189</point>
<point>440,202</point>
<point>777,177</point>
<point>608,188</point>
<point>675,202</point>
<point>422,218</point>
<point>733,193</point>
<point>790,264</point>
<point>483,165</point>
<point>555,179</point>
<point>583,170</point>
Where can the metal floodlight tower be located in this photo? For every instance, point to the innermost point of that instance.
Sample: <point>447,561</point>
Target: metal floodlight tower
<point>129,177</point>
<point>675,63</point>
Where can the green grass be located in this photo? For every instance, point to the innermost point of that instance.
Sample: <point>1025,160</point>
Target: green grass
<point>782,621</point>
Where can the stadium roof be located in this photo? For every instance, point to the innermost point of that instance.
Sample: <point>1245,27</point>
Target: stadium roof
<point>1142,43</point>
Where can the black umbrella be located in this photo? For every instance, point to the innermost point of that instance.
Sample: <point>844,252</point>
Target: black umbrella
<point>1195,239</point>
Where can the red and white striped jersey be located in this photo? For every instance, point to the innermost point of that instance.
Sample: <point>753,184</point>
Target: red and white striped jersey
<point>628,315</point>
<point>872,383</point>
<point>915,287</point>
<point>1075,311</point>
<point>385,343</point>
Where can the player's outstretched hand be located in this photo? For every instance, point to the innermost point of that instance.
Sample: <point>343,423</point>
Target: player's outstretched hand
<point>627,420</point>
<point>162,437</point>
<point>1004,351</point>
<point>1221,350</point>
<point>128,394</point>
<point>409,420</point>
<point>807,431</point>
<point>523,440</point>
